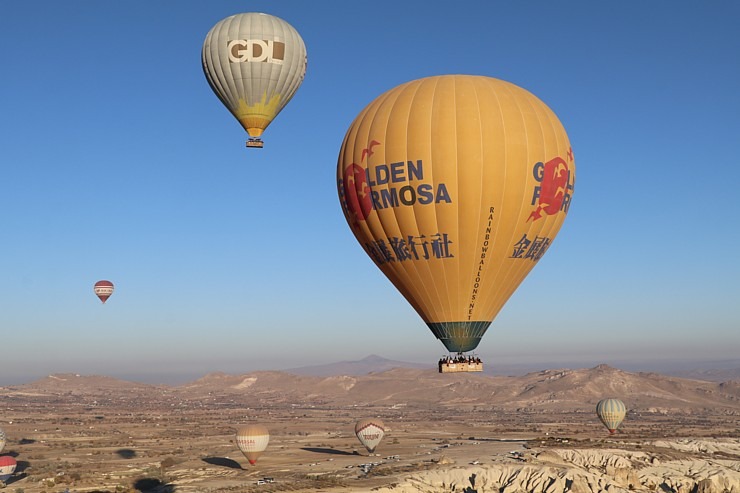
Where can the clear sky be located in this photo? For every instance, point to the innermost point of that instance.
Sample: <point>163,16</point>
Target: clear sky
<point>118,162</point>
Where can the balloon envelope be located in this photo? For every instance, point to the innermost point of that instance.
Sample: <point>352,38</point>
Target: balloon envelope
<point>611,412</point>
<point>7,467</point>
<point>2,440</point>
<point>254,63</point>
<point>252,440</point>
<point>456,186</point>
<point>103,290</point>
<point>370,432</point>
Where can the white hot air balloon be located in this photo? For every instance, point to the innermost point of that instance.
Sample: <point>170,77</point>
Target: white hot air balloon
<point>252,440</point>
<point>254,63</point>
<point>370,432</point>
<point>611,412</point>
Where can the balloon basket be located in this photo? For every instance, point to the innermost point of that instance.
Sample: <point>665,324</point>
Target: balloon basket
<point>255,143</point>
<point>460,367</point>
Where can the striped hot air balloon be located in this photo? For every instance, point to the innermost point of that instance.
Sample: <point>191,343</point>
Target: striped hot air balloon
<point>103,290</point>
<point>2,440</point>
<point>252,440</point>
<point>7,467</point>
<point>370,432</point>
<point>611,412</point>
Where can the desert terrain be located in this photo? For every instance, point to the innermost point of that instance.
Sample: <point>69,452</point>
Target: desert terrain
<point>444,433</point>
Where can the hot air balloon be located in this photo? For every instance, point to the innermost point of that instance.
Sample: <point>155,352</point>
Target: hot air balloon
<point>455,186</point>
<point>2,440</point>
<point>7,467</point>
<point>252,440</point>
<point>370,432</point>
<point>103,290</point>
<point>254,63</point>
<point>611,412</point>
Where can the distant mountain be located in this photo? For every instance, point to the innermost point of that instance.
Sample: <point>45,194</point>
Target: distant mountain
<point>73,382</point>
<point>369,364</point>
<point>718,371</point>
<point>555,390</point>
<point>713,371</point>
<point>547,390</point>
<point>83,390</point>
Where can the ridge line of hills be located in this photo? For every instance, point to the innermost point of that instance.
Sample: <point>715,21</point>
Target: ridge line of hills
<point>376,381</point>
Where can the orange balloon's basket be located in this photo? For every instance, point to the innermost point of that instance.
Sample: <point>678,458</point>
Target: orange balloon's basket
<point>460,367</point>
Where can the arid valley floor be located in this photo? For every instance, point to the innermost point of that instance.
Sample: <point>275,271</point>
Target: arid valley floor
<point>462,432</point>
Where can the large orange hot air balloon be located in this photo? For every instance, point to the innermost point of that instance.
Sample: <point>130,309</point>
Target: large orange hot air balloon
<point>252,440</point>
<point>456,186</point>
<point>103,290</point>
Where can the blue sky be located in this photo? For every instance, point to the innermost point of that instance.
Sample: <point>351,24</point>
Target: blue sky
<point>118,162</point>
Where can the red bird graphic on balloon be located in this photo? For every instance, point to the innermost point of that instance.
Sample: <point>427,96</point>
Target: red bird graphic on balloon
<point>368,151</point>
<point>356,190</point>
<point>552,188</point>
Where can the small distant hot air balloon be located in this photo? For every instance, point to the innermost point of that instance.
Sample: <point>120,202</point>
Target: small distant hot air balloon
<point>7,467</point>
<point>103,290</point>
<point>252,440</point>
<point>611,412</point>
<point>254,63</point>
<point>370,432</point>
<point>456,186</point>
<point>2,440</point>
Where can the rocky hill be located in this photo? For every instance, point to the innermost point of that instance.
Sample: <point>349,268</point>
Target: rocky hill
<point>548,390</point>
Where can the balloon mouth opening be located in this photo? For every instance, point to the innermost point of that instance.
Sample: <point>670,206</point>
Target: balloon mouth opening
<point>460,347</point>
<point>459,337</point>
<point>254,125</point>
<point>252,461</point>
<point>612,431</point>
